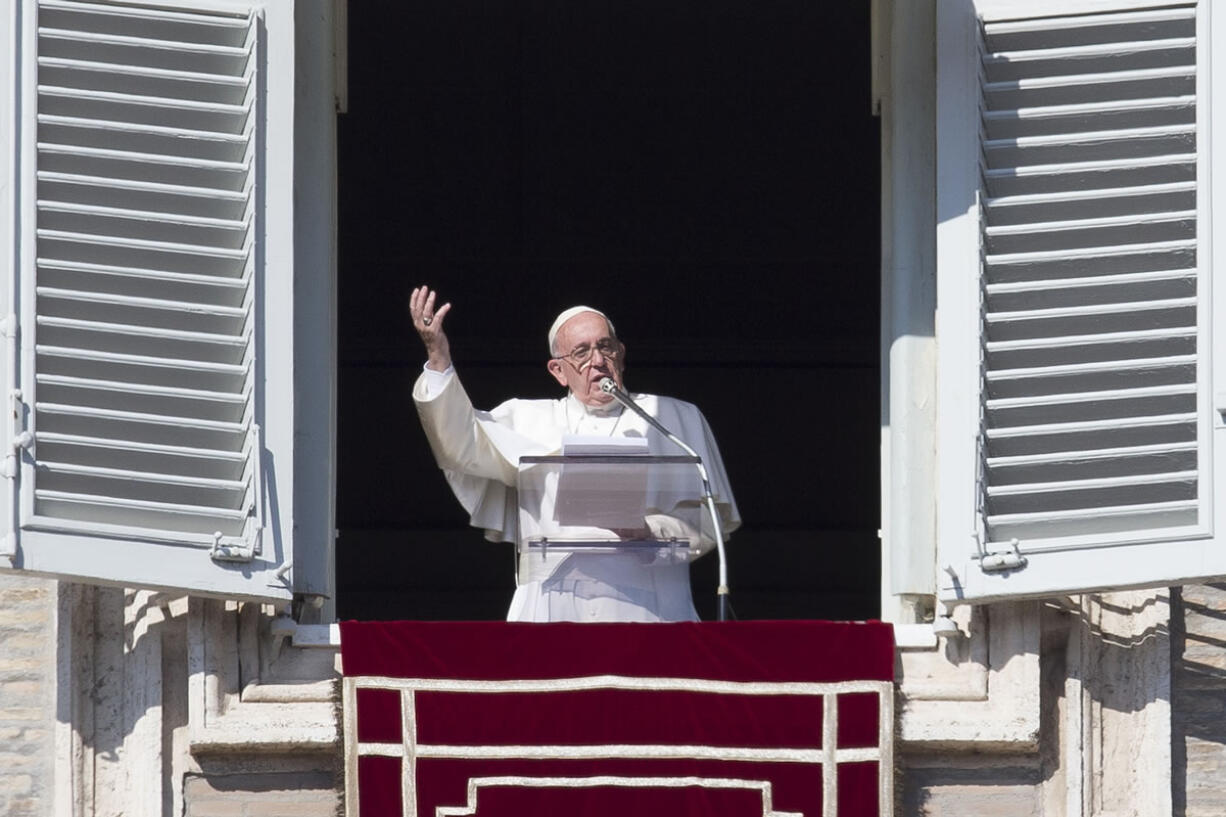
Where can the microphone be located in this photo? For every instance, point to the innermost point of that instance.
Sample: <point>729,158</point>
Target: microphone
<point>608,386</point>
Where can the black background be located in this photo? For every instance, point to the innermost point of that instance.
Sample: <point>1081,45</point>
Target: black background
<point>706,173</point>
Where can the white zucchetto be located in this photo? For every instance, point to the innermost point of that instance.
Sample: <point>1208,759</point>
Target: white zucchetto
<point>567,314</point>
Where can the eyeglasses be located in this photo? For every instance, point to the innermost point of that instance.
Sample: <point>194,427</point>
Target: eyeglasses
<point>581,355</point>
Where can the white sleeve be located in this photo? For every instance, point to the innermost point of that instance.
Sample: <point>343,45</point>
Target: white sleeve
<point>434,381</point>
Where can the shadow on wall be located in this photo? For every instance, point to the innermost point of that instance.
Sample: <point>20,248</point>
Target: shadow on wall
<point>1198,698</point>
<point>139,671</point>
<point>120,687</point>
<point>1104,664</point>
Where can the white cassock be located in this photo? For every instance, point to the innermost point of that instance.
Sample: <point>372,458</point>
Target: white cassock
<point>479,453</point>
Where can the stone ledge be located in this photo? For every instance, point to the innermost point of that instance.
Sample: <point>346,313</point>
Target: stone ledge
<point>303,692</point>
<point>258,728</point>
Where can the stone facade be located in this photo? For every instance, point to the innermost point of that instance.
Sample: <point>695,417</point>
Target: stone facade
<point>128,702</point>
<point>1084,706</point>
<point>1076,714</point>
<point>27,696</point>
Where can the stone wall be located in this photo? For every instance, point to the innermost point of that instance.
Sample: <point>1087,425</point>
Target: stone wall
<point>143,683</point>
<point>27,696</point>
<point>1199,701</point>
<point>1099,676</point>
<point>1103,705</point>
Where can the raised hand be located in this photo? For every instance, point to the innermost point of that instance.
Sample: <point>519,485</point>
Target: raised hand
<point>429,325</point>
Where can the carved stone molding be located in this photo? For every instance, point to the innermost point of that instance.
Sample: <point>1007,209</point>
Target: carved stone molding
<point>979,691</point>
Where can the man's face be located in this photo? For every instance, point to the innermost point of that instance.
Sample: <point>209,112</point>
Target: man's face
<point>587,331</point>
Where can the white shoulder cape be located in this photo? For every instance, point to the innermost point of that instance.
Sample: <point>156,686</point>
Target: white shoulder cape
<point>479,451</point>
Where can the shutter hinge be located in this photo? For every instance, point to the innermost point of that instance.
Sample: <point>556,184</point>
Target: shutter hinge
<point>20,438</point>
<point>1000,562</point>
<point>236,550</point>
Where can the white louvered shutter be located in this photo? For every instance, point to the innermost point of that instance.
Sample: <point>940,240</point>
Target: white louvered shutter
<point>141,303</point>
<point>1078,381</point>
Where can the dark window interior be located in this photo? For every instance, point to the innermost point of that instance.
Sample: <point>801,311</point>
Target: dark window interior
<point>705,171</point>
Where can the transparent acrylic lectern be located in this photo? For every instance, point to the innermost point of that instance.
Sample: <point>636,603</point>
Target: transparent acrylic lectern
<point>644,508</point>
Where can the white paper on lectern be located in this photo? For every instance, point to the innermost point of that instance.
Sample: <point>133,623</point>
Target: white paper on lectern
<point>588,445</point>
<point>613,497</point>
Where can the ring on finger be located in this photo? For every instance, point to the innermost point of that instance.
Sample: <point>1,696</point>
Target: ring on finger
<point>427,321</point>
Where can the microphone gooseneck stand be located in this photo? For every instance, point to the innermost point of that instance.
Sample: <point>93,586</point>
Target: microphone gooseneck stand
<point>609,387</point>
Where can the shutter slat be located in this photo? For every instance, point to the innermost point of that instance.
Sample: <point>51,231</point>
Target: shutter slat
<point>165,103</point>
<point>176,341</point>
<point>1123,462</point>
<point>150,158</point>
<point>1079,81</point>
<point>1096,138</point>
<point>1112,252</point>
<point>143,185</point>
<point>92,38</point>
<point>142,388</point>
<point>151,217</point>
<point>1175,101</point>
<point>1074,52</point>
<point>1091,223</point>
<point>1065,148</point>
<point>123,223</point>
<point>171,352</point>
<point>94,355</point>
<point>1082,196</point>
<point>137,272</point>
<point>1010,287</point>
<point>1091,484</point>
<point>142,476</point>
<point>107,280</point>
<point>123,504</point>
<point>144,456</point>
<point>1067,168</point>
<point>1030,401</point>
<point>1089,310</point>
<point>140,417</point>
<point>142,137</point>
<point>143,127</point>
<point>1091,514</point>
<point>1067,341</point>
<point>135,243</point>
<point>1129,423</point>
<point>1082,455</point>
<point>144,402</point>
<point>204,18</point>
<point>148,303</point>
<point>1136,364</point>
<point>1045,25</point>
<point>1063,86</point>
<point>141,71</point>
<point>78,440</point>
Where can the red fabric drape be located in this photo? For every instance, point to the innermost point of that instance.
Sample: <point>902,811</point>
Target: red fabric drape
<point>619,719</point>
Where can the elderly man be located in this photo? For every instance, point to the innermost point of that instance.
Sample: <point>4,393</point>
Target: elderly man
<point>479,453</point>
